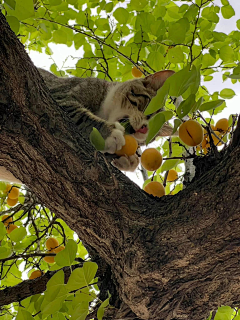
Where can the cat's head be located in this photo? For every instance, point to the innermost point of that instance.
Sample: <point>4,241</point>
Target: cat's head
<point>128,101</point>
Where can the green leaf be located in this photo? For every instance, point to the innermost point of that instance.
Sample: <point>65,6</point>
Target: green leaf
<point>57,278</point>
<point>180,81</point>
<point>108,7</point>
<point>238,24</point>
<point>82,277</point>
<point>234,76</point>
<point>155,124</point>
<point>67,256</point>
<point>80,311</point>
<point>224,2</point>
<point>227,12</point>
<point>210,105</point>
<point>208,60</point>
<point>177,124</point>
<point>169,164</point>
<point>18,234</point>
<point>24,314</point>
<point>177,32</point>
<point>5,252</point>
<point>97,140</point>
<point>121,15</point>
<point>55,2</point>
<point>11,4</point>
<point>227,94</point>
<point>100,312</point>
<point>226,53</point>
<point>185,106</point>
<point>23,10</point>
<point>156,60</point>
<point>224,313</point>
<point>197,104</point>
<point>175,55</point>
<point>2,231</point>
<point>59,36</point>
<point>13,23</point>
<point>159,100</point>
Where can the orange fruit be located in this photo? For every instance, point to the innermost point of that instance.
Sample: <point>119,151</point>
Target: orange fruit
<point>12,202</point>
<point>51,243</point>
<point>205,131</point>
<point>58,249</point>
<point>151,159</point>
<point>155,188</point>
<point>172,175</point>
<point>129,148</point>
<point>36,274</point>
<point>11,227</point>
<point>8,187</point>
<point>136,72</point>
<point>14,193</point>
<point>222,125</point>
<point>191,133</point>
<point>6,222</point>
<point>49,259</point>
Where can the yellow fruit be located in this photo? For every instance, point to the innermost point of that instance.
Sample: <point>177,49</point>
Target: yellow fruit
<point>51,243</point>
<point>191,133</point>
<point>36,274</point>
<point>11,227</point>
<point>129,148</point>
<point>49,259</point>
<point>155,188</point>
<point>206,132</point>
<point>136,72</point>
<point>14,193</point>
<point>58,249</point>
<point>151,159</point>
<point>172,175</point>
<point>6,222</point>
<point>8,187</point>
<point>222,125</point>
<point>12,202</point>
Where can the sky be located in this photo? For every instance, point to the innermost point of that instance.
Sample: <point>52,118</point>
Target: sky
<point>60,52</point>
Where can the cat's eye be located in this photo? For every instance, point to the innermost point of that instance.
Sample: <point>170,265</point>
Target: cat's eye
<point>133,94</point>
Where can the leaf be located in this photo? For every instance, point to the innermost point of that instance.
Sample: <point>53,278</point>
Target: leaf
<point>197,104</point>
<point>2,231</point>
<point>224,313</point>
<point>238,24</point>
<point>57,278</point>
<point>80,311</point>
<point>234,76</point>
<point>159,100</point>
<point>23,314</point>
<point>55,2</point>
<point>227,94</point>
<point>101,309</point>
<point>97,140</point>
<point>11,4</point>
<point>59,36</point>
<point>180,81</point>
<point>226,53</point>
<point>82,277</point>
<point>185,106</point>
<point>155,124</point>
<point>169,164</point>
<point>177,124</point>
<point>67,256</point>
<point>227,12</point>
<point>23,10</point>
<point>210,105</point>
<point>175,55</point>
<point>13,23</point>
<point>121,15</point>
<point>5,252</point>
<point>18,234</point>
<point>156,60</point>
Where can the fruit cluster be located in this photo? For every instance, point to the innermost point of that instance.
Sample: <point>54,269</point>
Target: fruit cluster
<point>7,221</point>
<point>12,195</point>
<point>52,245</point>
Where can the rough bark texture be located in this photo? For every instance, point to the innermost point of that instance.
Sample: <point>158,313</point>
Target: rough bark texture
<point>171,258</point>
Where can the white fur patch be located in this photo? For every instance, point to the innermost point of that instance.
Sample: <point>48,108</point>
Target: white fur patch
<point>116,140</point>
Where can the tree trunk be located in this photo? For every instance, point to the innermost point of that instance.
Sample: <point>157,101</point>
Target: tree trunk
<point>172,258</point>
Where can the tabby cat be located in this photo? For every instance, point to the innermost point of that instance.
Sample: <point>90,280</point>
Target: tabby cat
<point>93,102</point>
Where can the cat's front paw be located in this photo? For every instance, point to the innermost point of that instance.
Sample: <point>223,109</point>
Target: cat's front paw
<point>116,139</point>
<point>126,163</point>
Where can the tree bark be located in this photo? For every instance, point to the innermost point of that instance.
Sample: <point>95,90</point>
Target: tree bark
<point>172,258</point>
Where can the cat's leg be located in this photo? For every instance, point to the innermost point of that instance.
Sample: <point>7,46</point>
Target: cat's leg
<point>86,120</point>
<point>126,163</point>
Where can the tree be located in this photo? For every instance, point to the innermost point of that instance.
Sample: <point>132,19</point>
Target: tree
<point>168,258</point>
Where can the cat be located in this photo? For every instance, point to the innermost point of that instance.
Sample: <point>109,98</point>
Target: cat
<point>94,102</point>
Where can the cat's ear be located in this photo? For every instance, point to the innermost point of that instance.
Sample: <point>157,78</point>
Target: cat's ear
<point>156,80</point>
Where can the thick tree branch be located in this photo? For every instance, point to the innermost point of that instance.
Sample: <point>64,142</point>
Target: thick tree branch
<point>171,258</point>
